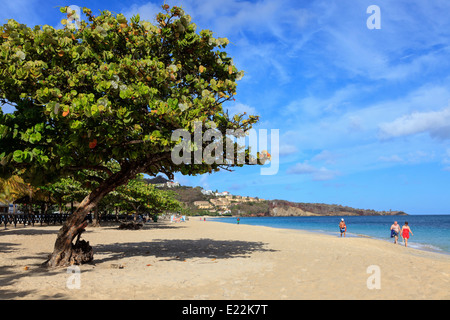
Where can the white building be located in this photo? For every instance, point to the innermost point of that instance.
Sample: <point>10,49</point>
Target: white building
<point>171,184</point>
<point>222,194</point>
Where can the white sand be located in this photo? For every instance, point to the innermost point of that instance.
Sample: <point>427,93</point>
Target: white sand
<point>212,260</point>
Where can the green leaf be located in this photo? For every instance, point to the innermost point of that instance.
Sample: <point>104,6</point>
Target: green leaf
<point>76,124</point>
<point>18,156</point>
<point>35,137</point>
<point>94,110</point>
<point>121,18</point>
<point>156,134</point>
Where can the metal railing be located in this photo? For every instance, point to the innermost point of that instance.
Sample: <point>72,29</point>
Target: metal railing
<point>30,219</point>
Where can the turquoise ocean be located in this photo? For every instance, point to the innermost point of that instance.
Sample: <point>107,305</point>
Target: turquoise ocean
<point>431,232</point>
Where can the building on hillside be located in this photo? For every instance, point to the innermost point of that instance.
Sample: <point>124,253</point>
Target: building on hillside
<point>172,184</point>
<point>220,202</point>
<point>203,205</point>
<point>222,194</point>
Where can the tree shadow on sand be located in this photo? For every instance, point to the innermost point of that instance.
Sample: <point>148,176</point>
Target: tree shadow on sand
<point>6,247</point>
<point>9,275</point>
<point>146,226</point>
<point>180,249</point>
<point>31,231</point>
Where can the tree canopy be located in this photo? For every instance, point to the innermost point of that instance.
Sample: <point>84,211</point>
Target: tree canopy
<point>110,90</point>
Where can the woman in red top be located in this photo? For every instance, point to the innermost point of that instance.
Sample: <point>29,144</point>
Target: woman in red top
<point>405,233</point>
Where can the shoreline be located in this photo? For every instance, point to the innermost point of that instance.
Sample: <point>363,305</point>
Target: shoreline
<point>210,260</point>
<point>414,246</point>
<point>350,235</point>
<point>427,247</point>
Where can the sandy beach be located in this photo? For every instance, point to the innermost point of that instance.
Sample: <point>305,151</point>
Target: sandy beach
<point>213,260</point>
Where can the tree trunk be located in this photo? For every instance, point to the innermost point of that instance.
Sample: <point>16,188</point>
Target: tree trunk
<point>96,220</point>
<point>66,253</point>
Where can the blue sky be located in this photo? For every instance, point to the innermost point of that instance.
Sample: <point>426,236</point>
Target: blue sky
<point>363,115</point>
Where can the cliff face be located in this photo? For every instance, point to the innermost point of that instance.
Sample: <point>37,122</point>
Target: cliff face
<point>290,211</point>
<point>287,208</point>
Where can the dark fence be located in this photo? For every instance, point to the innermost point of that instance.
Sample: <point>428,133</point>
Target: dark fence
<point>32,219</point>
<point>52,219</point>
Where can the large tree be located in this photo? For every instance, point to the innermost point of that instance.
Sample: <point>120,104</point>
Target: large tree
<point>110,89</point>
<point>140,197</point>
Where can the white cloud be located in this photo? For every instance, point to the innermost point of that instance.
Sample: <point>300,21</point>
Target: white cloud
<point>287,149</point>
<point>204,182</point>
<point>268,18</point>
<point>23,11</point>
<point>317,174</point>
<point>360,119</point>
<point>239,108</point>
<point>302,168</point>
<point>446,160</point>
<point>261,32</point>
<point>340,45</point>
<point>436,123</point>
<point>147,11</point>
<point>448,155</point>
<point>325,156</point>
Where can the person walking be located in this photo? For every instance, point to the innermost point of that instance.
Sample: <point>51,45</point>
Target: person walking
<point>342,227</point>
<point>395,230</point>
<point>406,231</point>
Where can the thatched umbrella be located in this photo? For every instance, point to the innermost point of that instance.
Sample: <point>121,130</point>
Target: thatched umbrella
<point>38,197</point>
